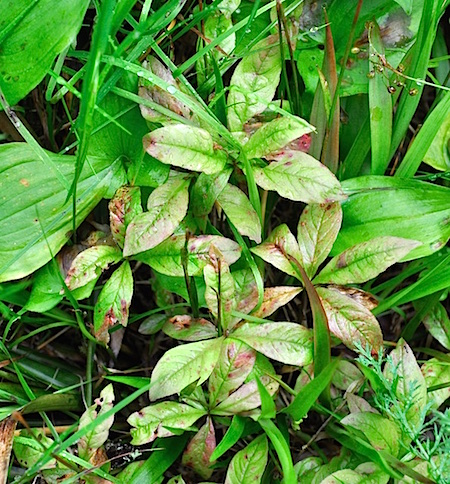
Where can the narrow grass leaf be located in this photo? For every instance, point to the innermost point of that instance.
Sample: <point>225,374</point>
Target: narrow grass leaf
<point>232,435</point>
<point>268,408</point>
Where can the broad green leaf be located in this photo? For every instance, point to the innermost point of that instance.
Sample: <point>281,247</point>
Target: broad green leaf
<point>437,372</point>
<point>365,260</point>
<point>382,433</point>
<point>274,298</point>
<point>167,206</point>
<point>32,34</point>
<point>248,464</point>
<point>159,419</point>
<point>46,290</point>
<point>411,388</point>
<point>276,249</point>
<point>344,476</point>
<point>186,147</point>
<point>317,230</point>
<point>346,376</point>
<point>123,207</point>
<point>438,155</point>
<point>183,365</point>
<point>90,444</point>
<point>205,191</point>
<point>288,343</point>
<point>298,176</point>
<point>32,195</point>
<point>235,362</point>
<point>306,465</point>
<point>113,303</point>
<point>187,328</point>
<point>239,210</point>
<point>28,448</point>
<point>349,320</point>
<point>198,452</point>
<point>380,206</point>
<point>89,264</point>
<point>166,257</point>
<point>275,135</point>
<point>255,78</point>
<point>437,323</point>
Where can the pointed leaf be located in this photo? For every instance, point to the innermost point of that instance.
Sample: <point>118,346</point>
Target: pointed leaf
<point>113,302</point>
<point>187,147</point>
<point>350,321</point>
<point>248,464</point>
<point>123,207</point>
<point>246,290</point>
<point>365,261</point>
<point>298,176</point>
<point>436,373</point>
<point>183,365</point>
<point>437,323</point>
<point>187,328</point>
<point>157,421</point>
<point>199,450</point>
<point>317,230</point>
<point>274,298</point>
<point>239,210</point>
<point>167,206</point>
<point>205,191</point>
<point>288,343</point>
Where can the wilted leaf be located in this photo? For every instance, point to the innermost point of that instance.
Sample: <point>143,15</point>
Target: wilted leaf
<point>187,328</point>
<point>123,207</point>
<point>167,206</point>
<point>365,261</point>
<point>437,373</point>
<point>157,421</point>
<point>183,365</point>
<point>288,343</point>
<point>274,298</point>
<point>113,302</point>
<point>317,230</point>
<point>437,323</point>
<point>199,450</point>
<point>248,464</point>
<point>350,321</point>
<point>187,147</point>
<point>298,176</point>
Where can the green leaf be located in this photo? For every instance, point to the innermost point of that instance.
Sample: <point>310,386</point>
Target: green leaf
<point>232,435</point>
<point>167,206</point>
<point>89,264</point>
<point>159,419</point>
<point>198,452</point>
<point>186,147</point>
<point>91,442</point>
<point>183,365</point>
<point>33,196</point>
<point>365,260</point>
<point>248,464</point>
<point>123,208</point>
<point>437,373</point>
<point>256,77</point>
<point>166,257</point>
<point>344,476</point>
<point>438,155</point>
<point>46,290</point>
<point>275,135</point>
<point>274,298</point>
<point>113,302</point>
<point>28,448</point>
<point>205,191</point>
<point>437,323</point>
<point>289,343</point>
<point>317,230</point>
<point>187,328</point>
<point>32,34</point>
<point>277,247</point>
<point>349,320</point>
<point>239,210</point>
<point>235,362</point>
<point>298,176</point>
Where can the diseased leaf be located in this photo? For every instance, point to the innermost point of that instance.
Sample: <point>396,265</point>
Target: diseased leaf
<point>437,373</point>
<point>273,136</point>
<point>167,206</point>
<point>183,365</point>
<point>28,448</point>
<point>246,291</point>
<point>298,176</point>
<point>240,211</point>
<point>255,78</point>
<point>186,147</point>
<point>89,264</point>
<point>123,207</point>
<point>365,261</point>
<point>437,323</point>
<point>288,343</point>
<point>199,450</point>
<point>274,298</point>
<point>317,230</point>
<point>113,302</point>
<point>361,297</point>
<point>277,247</point>
<point>187,328</point>
<point>205,191</point>
<point>166,257</point>
<point>157,421</point>
<point>349,320</point>
<point>235,362</point>
<point>248,464</point>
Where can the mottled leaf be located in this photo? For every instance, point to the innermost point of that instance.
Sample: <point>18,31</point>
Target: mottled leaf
<point>159,419</point>
<point>187,328</point>
<point>248,464</point>
<point>361,297</point>
<point>199,450</point>
<point>274,298</point>
<point>28,448</point>
<point>437,373</point>
<point>365,261</point>
<point>123,207</point>
<point>205,191</point>
<point>246,290</point>
<point>183,365</point>
<point>346,375</point>
<point>167,206</point>
<point>437,323</point>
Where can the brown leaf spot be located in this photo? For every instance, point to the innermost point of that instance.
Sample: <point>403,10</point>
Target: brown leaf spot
<point>341,262</point>
<point>24,182</point>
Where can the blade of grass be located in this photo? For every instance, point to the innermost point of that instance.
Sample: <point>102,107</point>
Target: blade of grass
<point>232,435</point>
<point>354,160</point>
